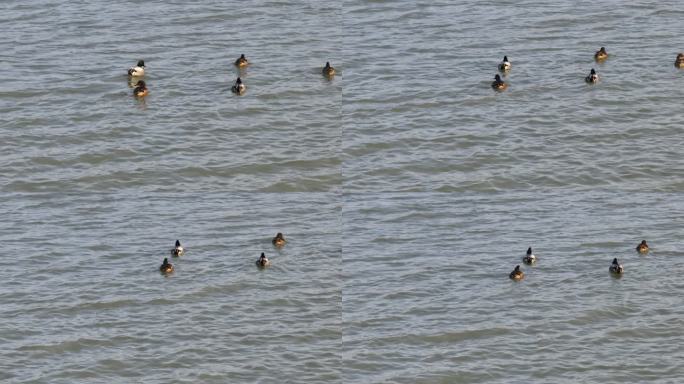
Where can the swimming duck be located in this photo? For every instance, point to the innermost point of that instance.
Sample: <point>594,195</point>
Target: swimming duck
<point>517,274</point>
<point>679,61</point>
<point>601,54</point>
<point>616,268</point>
<point>505,65</point>
<point>529,258</point>
<point>140,89</point>
<point>642,247</point>
<point>241,61</point>
<point>278,240</point>
<point>499,84</point>
<point>166,267</point>
<point>178,249</point>
<point>328,70</point>
<point>238,87</point>
<point>263,262</point>
<point>592,78</point>
<point>138,70</point>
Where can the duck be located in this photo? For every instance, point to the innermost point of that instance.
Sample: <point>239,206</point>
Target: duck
<point>278,240</point>
<point>140,89</point>
<point>499,84</point>
<point>642,247</point>
<point>238,87</point>
<point>517,274</point>
<point>529,258</point>
<point>592,78</point>
<point>178,249</point>
<point>138,70</point>
<point>679,61</point>
<point>328,70</point>
<point>601,54</point>
<point>505,65</point>
<point>616,268</point>
<point>241,61</point>
<point>166,267</point>
<point>262,261</point>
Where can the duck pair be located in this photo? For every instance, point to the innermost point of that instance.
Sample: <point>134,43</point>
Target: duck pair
<point>278,241</point>
<point>140,89</point>
<point>176,251</point>
<point>528,259</point>
<point>504,67</point>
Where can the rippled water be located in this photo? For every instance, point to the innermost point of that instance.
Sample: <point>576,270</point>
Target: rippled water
<point>406,200</point>
<point>440,127</point>
<point>447,183</point>
<point>97,186</point>
<point>434,302</point>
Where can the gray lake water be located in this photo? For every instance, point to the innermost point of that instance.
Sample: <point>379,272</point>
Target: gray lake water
<point>408,190</point>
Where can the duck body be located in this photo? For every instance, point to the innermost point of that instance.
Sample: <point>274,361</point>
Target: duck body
<point>679,61</point>
<point>601,54</point>
<point>140,89</point>
<point>166,267</point>
<point>241,61</point>
<point>238,88</point>
<point>593,78</point>
<point>178,249</point>
<point>529,258</point>
<point>517,274</point>
<point>328,70</point>
<point>138,70</point>
<point>642,247</point>
<point>263,261</point>
<point>505,65</point>
<point>278,240</point>
<point>616,268</point>
<point>499,84</point>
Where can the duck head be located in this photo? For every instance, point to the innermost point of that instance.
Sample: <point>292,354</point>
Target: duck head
<point>497,78</point>
<point>529,251</point>
<point>178,244</point>
<point>141,63</point>
<point>505,58</point>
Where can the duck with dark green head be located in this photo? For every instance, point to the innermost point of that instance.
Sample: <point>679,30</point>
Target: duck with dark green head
<point>529,258</point>
<point>263,261</point>
<point>592,78</point>
<point>616,268</point>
